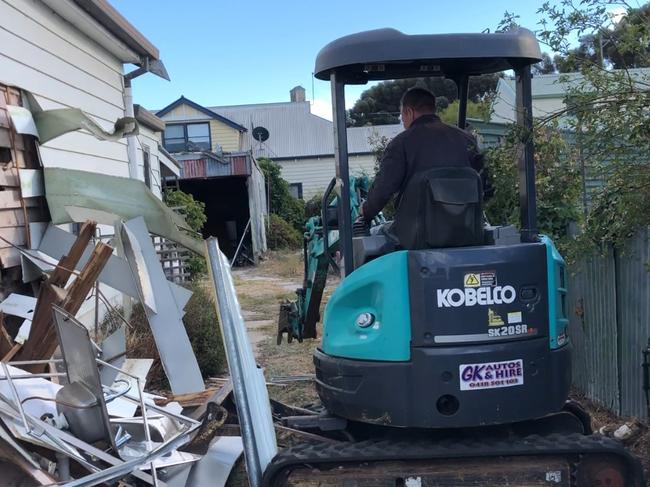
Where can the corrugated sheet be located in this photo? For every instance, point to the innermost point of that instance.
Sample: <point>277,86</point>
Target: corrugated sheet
<point>610,325</point>
<point>295,132</point>
<point>257,209</point>
<point>193,168</point>
<point>634,320</point>
<point>592,313</point>
<point>233,164</point>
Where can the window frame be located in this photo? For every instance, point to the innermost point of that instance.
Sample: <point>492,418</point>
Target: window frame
<point>298,186</point>
<point>186,139</point>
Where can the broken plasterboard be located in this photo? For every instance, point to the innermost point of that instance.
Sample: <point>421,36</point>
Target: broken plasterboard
<point>19,305</point>
<point>176,354</point>
<point>74,196</point>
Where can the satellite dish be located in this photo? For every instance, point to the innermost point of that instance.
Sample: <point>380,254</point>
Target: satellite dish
<point>260,134</point>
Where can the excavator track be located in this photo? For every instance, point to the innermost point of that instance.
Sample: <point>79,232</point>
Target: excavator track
<point>573,460</point>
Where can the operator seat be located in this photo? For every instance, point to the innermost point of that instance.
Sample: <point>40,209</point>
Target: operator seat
<point>440,208</point>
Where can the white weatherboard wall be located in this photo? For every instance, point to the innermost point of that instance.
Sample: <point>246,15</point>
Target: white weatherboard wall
<point>62,67</point>
<point>316,173</point>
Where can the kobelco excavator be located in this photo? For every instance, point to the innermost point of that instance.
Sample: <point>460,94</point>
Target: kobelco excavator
<point>445,357</point>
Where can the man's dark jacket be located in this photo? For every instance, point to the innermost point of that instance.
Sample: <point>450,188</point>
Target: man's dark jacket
<point>426,144</point>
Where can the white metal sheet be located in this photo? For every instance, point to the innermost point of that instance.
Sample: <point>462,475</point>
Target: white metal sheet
<point>19,305</point>
<point>176,354</point>
<point>31,182</point>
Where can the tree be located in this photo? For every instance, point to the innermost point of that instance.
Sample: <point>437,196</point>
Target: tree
<point>546,65</point>
<point>194,213</point>
<point>558,182</point>
<point>281,202</point>
<point>379,104</point>
<point>607,110</point>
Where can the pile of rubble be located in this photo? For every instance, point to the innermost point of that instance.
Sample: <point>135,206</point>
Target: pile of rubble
<point>73,409</point>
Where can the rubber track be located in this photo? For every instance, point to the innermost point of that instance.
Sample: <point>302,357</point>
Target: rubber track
<point>387,450</point>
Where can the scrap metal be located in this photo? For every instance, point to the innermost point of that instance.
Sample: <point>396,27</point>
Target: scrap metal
<point>165,319</point>
<point>249,386</point>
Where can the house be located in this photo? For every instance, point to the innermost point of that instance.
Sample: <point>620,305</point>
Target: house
<point>301,142</point>
<point>70,54</point>
<point>549,94</point>
<point>215,169</point>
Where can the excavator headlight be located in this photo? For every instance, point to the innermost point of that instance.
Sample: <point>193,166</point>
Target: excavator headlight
<point>364,320</point>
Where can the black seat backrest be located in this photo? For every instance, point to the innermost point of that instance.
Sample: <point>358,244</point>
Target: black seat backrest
<point>439,208</point>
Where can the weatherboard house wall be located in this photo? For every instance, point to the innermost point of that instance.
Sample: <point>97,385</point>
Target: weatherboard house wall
<point>225,135</point>
<point>46,55</point>
<point>71,54</point>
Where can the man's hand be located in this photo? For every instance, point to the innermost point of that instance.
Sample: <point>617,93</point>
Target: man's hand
<point>360,227</point>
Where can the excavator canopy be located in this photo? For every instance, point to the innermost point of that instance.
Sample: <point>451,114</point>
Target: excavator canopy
<point>389,54</point>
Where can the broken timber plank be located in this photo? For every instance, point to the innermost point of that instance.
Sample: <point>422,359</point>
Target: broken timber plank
<point>191,399</point>
<point>68,262</point>
<point>13,457</point>
<point>6,343</point>
<point>218,397</point>
<point>43,343</point>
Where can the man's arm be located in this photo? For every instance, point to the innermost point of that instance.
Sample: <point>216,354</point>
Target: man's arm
<point>389,178</point>
<point>478,164</point>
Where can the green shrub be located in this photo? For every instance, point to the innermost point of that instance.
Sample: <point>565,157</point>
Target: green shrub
<point>194,213</point>
<point>313,206</point>
<point>203,330</point>
<point>281,202</point>
<point>282,235</point>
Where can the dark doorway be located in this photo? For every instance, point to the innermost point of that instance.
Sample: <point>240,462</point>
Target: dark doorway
<point>226,206</point>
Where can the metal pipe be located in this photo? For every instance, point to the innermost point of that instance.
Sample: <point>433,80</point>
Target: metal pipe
<point>63,466</point>
<point>45,375</point>
<point>131,149</point>
<point>241,241</point>
<point>14,393</point>
<point>342,171</point>
<point>526,162</point>
<point>251,456</point>
<point>463,94</point>
<point>36,362</point>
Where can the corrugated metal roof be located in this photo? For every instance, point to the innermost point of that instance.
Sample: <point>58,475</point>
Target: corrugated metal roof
<point>294,132</point>
<point>556,84</point>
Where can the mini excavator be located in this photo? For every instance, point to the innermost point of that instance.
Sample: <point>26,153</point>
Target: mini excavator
<point>445,358</point>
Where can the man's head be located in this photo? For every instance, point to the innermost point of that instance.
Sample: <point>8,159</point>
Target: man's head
<point>415,103</point>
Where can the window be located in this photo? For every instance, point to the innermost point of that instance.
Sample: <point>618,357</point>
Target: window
<point>146,165</point>
<point>188,137</point>
<point>296,190</point>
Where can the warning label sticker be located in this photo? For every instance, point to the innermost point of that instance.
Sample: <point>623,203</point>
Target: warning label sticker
<point>472,280</point>
<point>480,279</point>
<point>494,319</point>
<point>491,375</point>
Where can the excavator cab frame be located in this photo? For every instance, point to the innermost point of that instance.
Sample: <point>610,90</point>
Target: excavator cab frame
<point>389,54</point>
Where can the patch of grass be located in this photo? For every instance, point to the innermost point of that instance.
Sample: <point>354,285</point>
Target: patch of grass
<point>286,264</point>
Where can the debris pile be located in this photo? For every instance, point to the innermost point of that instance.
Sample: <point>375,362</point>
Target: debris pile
<point>73,406</point>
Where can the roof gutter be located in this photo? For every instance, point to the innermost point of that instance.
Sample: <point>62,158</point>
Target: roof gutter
<point>71,12</point>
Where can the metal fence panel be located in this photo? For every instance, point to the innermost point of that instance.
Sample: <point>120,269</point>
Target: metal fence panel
<point>592,301</point>
<point>634,315</point>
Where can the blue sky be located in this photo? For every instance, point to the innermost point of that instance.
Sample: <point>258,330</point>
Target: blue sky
<point>238,52</point>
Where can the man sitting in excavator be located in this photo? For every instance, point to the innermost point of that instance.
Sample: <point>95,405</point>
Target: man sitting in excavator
<point>426,143</point>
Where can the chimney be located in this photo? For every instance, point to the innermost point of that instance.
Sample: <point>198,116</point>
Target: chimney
<point>297,94</point>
